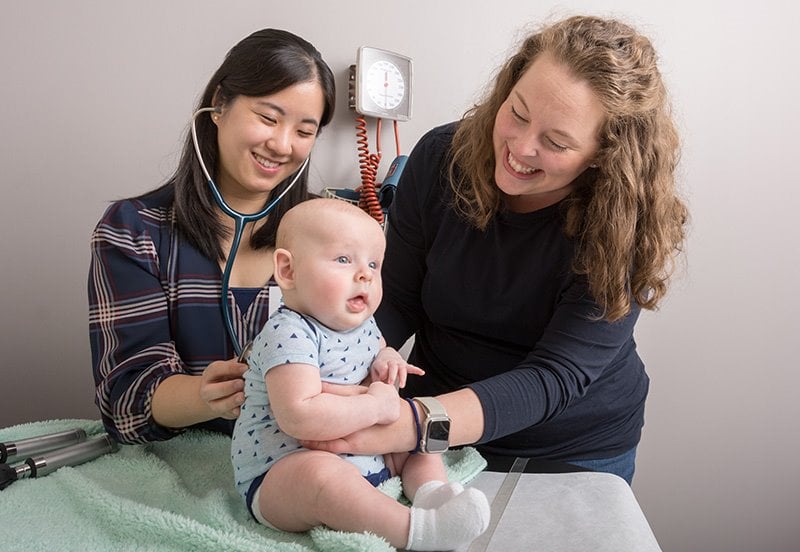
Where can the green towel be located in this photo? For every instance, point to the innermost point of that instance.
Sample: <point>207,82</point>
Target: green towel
<point>175,495</point>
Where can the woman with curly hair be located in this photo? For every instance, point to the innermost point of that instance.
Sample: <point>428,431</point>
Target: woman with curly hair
<point>523,242</point>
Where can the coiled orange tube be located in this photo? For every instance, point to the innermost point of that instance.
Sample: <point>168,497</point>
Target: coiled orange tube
<point>368,164</point>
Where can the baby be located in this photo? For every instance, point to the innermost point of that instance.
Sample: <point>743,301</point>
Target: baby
<point>328,265</point>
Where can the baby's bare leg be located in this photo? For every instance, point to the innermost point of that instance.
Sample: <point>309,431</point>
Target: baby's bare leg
<point>311,488</point>
<point>416,470</point>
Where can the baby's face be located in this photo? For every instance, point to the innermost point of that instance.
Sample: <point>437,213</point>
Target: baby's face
<point>338,272</point>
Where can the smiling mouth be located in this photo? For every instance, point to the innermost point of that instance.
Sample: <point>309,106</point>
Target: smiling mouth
<point>519,167</point>
<point>266,163</point>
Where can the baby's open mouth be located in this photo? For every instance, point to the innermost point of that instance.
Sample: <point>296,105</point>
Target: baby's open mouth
<point>357,303</point>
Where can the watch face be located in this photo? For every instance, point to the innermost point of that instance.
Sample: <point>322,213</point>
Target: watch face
<point>438,436</point>
<point>385,84</point>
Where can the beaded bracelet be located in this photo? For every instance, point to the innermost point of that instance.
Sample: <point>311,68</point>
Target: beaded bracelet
<point>416,424</point>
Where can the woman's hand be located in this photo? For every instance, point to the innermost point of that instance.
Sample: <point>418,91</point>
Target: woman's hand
<point>388,401</point>
<point>182,400</point>
<point>222,387</point>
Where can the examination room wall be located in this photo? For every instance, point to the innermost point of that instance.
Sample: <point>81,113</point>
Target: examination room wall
<point>96,96</point>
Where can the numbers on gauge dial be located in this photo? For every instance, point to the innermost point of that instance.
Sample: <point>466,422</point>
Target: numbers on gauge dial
<point>385,84</point>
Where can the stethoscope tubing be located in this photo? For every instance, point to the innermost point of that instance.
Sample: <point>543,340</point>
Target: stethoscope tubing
<point>240,220</point>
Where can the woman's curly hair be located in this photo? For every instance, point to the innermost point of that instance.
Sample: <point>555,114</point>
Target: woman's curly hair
<point>625,215</point>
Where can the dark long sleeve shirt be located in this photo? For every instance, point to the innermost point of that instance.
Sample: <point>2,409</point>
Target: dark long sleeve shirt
<point>501,312</point>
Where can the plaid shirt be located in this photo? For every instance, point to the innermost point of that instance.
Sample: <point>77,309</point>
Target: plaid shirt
<point>154,311</point>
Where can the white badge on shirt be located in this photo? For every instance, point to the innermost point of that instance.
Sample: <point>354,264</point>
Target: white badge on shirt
<point>275,298</point>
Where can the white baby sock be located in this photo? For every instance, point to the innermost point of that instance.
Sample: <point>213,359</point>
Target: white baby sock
<point>455,523</point>
<point>435,493</point>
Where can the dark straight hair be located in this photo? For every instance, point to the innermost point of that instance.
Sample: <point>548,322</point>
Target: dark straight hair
<point>261,64</point>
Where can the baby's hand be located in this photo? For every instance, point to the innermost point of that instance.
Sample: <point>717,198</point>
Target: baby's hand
<point>390,367</point>
<point>388,401</point>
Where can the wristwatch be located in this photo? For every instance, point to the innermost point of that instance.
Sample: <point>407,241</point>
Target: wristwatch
<point>435,433</point>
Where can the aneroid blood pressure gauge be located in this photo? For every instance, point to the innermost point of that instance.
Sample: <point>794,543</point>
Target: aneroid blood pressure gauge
<point>381,84</point>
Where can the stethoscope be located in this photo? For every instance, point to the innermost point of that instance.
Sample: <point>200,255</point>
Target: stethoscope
<point>240,220</point>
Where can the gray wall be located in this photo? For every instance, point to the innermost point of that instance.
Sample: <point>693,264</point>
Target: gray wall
<point>96,94</point>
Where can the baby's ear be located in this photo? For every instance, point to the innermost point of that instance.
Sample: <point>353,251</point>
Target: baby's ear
<point>284,271</point>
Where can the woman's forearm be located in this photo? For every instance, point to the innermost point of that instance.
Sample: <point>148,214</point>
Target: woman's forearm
<point>466,416</point>
<point>466,427</point>
<point>177,402</point>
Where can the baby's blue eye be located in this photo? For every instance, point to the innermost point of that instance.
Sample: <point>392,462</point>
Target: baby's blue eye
<point>342,259</point>
<point>373,265</point>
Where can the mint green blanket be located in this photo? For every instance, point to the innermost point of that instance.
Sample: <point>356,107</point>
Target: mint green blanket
<point>176,495</point>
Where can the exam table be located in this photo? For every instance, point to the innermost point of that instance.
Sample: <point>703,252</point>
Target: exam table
<point>554,506</point>
<point>179,495</point>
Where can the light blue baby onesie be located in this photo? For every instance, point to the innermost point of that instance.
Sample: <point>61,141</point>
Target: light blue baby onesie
<point>287,338</point>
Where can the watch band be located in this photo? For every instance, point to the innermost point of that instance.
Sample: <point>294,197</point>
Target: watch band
<point>433,408</point>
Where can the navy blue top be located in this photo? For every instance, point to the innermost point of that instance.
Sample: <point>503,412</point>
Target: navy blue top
<point>244,297</point>
<point>501,312</point>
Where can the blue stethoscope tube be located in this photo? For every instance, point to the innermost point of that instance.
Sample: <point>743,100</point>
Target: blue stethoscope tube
<point>240,220</point>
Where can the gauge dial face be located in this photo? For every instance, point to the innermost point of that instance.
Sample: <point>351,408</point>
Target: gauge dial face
<point>385,84</point>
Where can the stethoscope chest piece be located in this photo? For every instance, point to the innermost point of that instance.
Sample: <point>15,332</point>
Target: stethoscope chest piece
<point>244,356</point>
